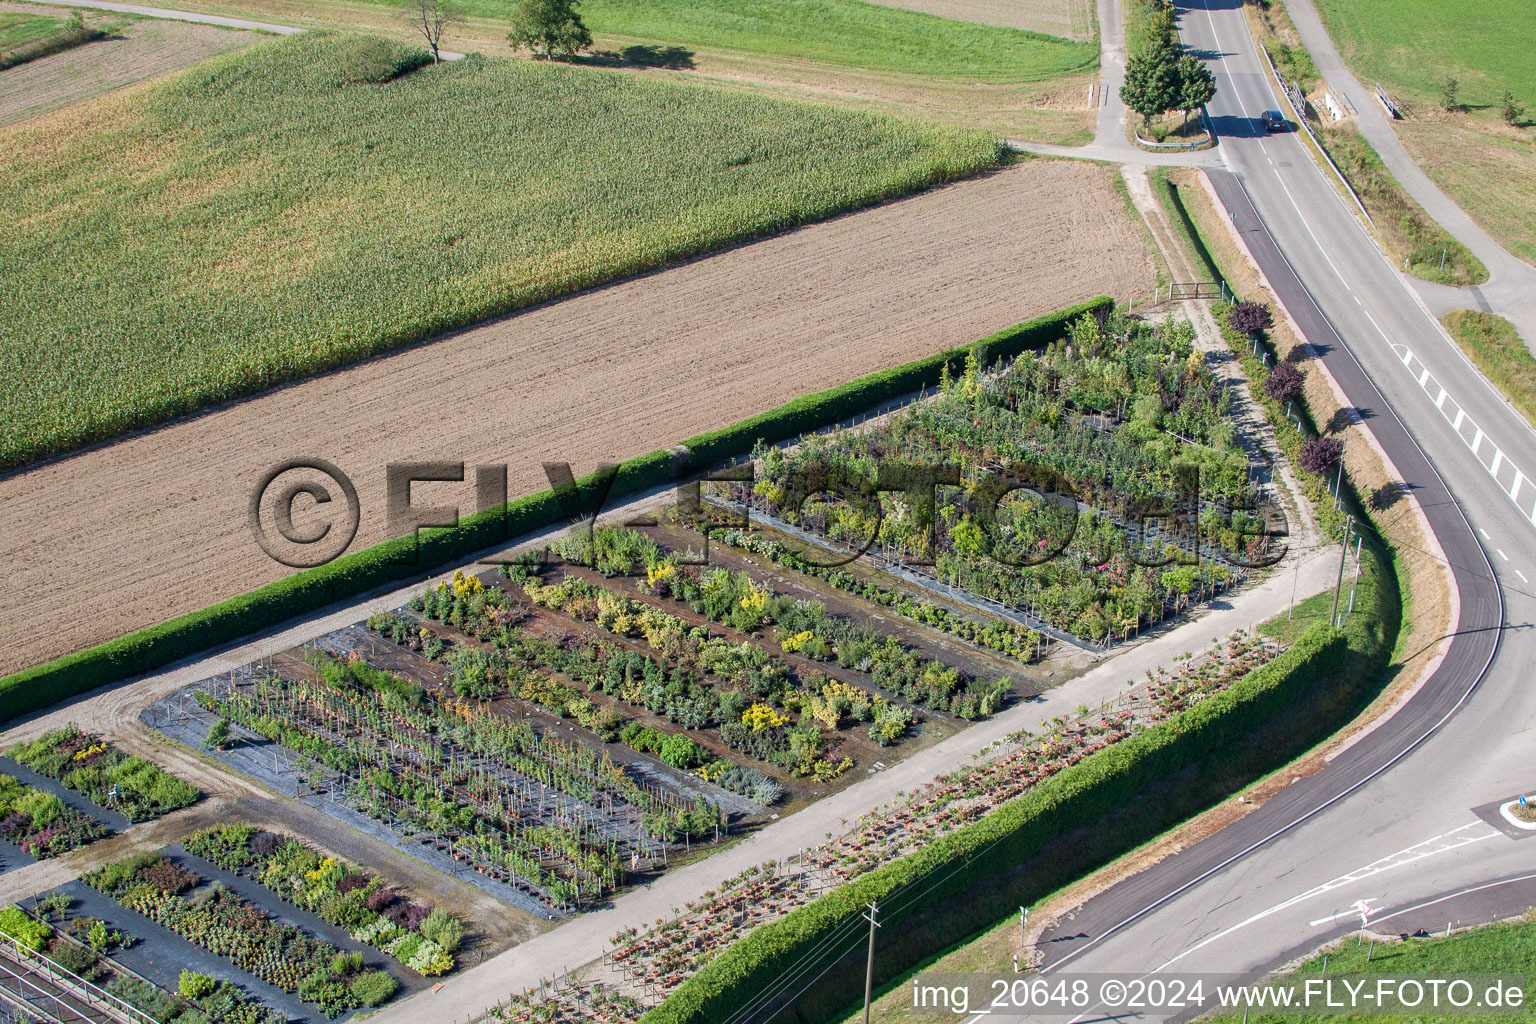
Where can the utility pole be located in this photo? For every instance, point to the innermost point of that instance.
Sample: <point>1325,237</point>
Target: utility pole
<point>1295,575</point>
<point>1023,922</point>
<point>1359,542</point>
<point>869,965</point>
<point>1333,616</point>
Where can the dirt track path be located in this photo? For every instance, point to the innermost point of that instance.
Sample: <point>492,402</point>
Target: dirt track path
<point>129,534</point>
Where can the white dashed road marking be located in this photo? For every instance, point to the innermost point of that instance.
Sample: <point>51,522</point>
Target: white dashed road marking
<point>1496,463</point>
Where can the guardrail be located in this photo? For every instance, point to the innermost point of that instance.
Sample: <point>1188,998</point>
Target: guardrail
<point>69,984</point>
<point>1301,119</point>
<point>1387,103</point>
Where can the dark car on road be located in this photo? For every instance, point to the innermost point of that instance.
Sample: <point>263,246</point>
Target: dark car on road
<point>1274,121</point>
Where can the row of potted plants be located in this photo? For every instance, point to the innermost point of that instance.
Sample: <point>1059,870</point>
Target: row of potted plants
<point>137,788</point>
<point>222,922</point>
<point>369,908</point>
<point>41,823</point>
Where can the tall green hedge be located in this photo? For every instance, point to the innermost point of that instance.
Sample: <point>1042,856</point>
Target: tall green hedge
<point>390,562</point>
<point>962,878</point>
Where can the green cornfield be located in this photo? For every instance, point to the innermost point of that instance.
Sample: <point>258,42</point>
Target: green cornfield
<point>314,200</point>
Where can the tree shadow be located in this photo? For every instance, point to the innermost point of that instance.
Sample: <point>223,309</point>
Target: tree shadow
<point>1346,417</point>
<point>670,58</point>
<point>1389,494</point>
<point>1229,126</point>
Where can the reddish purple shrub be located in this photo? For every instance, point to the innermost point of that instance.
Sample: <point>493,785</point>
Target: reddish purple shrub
<point>378,901</point>
<point>1251,317</point>
<point>1321,455</point>
<point>168,877</point>
<point>1285,382</point>
<point>265,844</point>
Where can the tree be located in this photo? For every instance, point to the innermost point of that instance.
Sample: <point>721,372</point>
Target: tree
<point>1448,93</point>
<point>1513,111</point>
<point>1196,84</point>
<point>1321,455</point>
<point>431,18</point>
<point>218,736</point>
<point>1285,382</point>
<point>1251,317</point>
<point>550,28</point>
<point>1152,85</point>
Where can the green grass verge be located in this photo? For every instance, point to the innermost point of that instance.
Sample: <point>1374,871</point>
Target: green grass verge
<point>301,205</point>
<point>395,561</point>
<point>1406,231</point>
<point>1407,45</point>
<point>18,28</point>
<point>1506,948</point>
<point>1493,344</point>
<point>26,37</point>
<point>848,33</point>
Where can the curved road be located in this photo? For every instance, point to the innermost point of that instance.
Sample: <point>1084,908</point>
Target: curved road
<point>1406,817</point>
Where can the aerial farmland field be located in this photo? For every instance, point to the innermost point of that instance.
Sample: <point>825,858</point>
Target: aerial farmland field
<point>132,53</point>
<point>381,237</point>
<point>553,512</point>
<point>701,344</point>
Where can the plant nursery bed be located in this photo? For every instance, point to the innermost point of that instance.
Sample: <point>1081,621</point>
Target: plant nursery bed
<point>162,889</point>
<point>56,930</point>
<point>179,717</point>
<point>555,733</point>
<point>849,741</point>
<point>161,955</point>
<point>73,800</point>
<point>281,910</point>
<point>133,787</point>
<point>969,657</point>
<point>1122,424</point>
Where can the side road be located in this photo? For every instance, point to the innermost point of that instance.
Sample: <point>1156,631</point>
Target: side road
<point>585,938</point>
<point>201,19</point>
<point>161,12</point>
<point>1511,288</point>
<point>1109,141</point>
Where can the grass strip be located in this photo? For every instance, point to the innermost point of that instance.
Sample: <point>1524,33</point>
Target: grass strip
<point>1412,239</point>
<point>25,38</point>
<point>1505,948</point>
<point>1493,344</point>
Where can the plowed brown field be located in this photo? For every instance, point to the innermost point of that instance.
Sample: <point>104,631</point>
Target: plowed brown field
<point>135,53</point>
<point>128,534</point>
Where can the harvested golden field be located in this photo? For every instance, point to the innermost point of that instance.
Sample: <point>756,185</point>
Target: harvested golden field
<point>1489,169</point>
<point>124,535</point>
<point>135,53</point>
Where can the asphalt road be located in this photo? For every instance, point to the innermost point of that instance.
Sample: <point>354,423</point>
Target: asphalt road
<point>1394,819</point>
